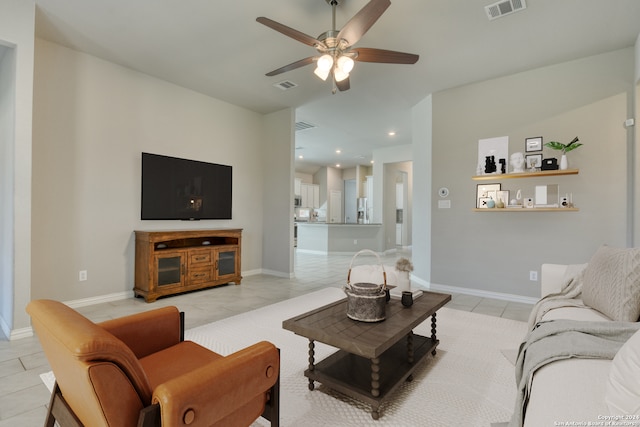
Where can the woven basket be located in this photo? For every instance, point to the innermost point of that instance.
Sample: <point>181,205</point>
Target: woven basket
<point>366,302</point>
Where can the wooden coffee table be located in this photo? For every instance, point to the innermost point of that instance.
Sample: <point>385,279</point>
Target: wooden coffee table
<point>374,358</point>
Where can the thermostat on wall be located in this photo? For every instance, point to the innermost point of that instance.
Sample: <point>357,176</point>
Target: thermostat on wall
<point>443,192</point>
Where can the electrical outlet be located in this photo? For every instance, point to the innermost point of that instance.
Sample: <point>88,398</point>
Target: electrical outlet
<point>82,275</point>
<point>533,276</point>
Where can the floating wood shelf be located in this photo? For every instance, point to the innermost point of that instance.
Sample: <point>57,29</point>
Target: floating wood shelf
<point>496,177</point>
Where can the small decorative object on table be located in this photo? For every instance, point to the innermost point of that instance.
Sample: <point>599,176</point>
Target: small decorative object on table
<point>565,148</point>
<point>366,301</point>
<point>404,268</point>
<point>407,299</point>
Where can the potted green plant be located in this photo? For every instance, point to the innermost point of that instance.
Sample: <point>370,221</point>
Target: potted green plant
<point>565,148</point>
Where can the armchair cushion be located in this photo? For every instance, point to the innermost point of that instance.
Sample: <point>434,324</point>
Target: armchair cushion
<point>147,332</point>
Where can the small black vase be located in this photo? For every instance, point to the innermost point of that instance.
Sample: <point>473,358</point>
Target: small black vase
<point>407,299</point>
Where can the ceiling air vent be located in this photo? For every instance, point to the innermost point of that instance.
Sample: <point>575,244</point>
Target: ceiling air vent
<point>304,126</point>
<point>286,84</point>
<point>504,8</point>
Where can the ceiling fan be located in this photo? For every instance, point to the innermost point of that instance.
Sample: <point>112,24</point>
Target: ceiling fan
<point>336,52</point>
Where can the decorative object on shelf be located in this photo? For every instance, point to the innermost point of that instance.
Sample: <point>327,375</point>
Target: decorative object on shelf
<point>485,192</point>
<point>534,162</point>
<point>490,164</point>
<point>565,148</point>
<point>491,203</point>
<point>502,198</point>
<point>533,144</point>
<point>494,148</point>
<point>407,299</point>
<point>550,164</point>
<point>404,269</point>
<point>503,165</point>
<point>519,197</point>
<point>566,201</point>
<point>528,203</point>
<point>517,162</point>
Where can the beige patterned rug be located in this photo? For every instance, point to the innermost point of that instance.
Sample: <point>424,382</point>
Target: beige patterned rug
<point>468,383</point>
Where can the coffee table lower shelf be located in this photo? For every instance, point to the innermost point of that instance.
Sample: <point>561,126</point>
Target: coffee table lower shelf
<point>355,376</point>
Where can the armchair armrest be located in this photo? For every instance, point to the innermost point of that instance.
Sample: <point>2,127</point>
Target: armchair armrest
<point>147,332</point>
<point>208,394</point>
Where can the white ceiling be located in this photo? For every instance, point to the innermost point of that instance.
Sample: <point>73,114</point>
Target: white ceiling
<point>217,48</point>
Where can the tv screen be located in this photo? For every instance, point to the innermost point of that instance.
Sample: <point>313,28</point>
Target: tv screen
<point>174,188</point>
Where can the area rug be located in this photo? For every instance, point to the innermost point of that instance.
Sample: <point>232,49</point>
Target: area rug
<point>469,382</point>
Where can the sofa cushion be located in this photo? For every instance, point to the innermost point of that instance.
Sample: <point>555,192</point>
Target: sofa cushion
<point>623,388</point>
<point>575,313</point>
<point>568,390</point>
<point>611,283</point>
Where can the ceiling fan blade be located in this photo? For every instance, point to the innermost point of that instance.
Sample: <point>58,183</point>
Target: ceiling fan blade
<point>292,66</point>
<point>363,20</point>
<point>367,54</point>
<point>290,32</point>
<point>343,85</point>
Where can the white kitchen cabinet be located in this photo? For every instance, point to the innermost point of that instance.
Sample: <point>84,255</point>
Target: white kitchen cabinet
<point>310,195</point>
<point>296,186</point>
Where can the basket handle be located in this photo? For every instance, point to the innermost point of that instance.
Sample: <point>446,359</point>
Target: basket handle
<point>384,273</point>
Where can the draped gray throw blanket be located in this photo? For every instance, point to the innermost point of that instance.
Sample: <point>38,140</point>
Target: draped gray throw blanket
<point>564,339</point>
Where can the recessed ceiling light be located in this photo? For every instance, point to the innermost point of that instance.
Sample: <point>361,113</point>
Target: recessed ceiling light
<point>371,161</point>
<point>301,156</point>
<point>338,151</point>
<point>338,165</point>
<point>391,133</point>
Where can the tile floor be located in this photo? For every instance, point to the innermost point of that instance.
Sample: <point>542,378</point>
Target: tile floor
<point>23,397</point>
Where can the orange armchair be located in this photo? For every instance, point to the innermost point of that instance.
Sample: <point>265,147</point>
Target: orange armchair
<point>138,371</point>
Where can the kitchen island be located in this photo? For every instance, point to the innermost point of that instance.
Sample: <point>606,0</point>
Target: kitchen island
<point>334,238</point>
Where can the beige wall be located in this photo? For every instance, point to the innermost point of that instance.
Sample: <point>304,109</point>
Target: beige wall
<point>92,120</point>
<point>495,252</point>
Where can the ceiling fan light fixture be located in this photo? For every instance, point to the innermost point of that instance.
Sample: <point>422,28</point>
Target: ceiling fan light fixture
<point>345,64</point>
<point>339,75</point>
<point>325,62</point>
<point>323,74</point>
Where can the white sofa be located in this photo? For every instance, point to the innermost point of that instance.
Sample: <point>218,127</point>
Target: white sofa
<point>579,391</point>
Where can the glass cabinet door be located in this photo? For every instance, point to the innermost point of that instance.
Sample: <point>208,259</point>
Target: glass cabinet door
<point>169,269</point>
<point>226,263</point>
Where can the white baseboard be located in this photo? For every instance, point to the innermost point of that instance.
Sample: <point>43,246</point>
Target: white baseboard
<point>278,274</point>
<point>83,302</point>
<point>17,334</point>
<point>483,294</point>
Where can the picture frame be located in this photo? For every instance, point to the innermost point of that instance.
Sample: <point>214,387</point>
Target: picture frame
<point>534,161</point>
<point>504,196</point>
<point>484,192</point>
<point>533,144</point>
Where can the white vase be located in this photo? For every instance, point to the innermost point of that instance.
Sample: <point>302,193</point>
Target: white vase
<point>563,162</point>
<point>404,284</point>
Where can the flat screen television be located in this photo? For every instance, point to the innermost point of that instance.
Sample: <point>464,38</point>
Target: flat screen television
<point>174,188</point>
